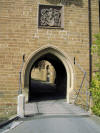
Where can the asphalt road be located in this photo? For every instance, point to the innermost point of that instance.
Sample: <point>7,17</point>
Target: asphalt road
<point>58,124</point>
<point>54,116</point>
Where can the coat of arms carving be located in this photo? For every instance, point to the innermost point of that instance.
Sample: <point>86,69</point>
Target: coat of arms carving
<point>50,16</point>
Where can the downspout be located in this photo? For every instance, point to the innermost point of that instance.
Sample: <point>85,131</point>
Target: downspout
<point>90,42</point>
<point>90,54</point>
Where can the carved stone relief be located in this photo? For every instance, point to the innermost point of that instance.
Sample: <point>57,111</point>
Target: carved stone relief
<point>50,16</point>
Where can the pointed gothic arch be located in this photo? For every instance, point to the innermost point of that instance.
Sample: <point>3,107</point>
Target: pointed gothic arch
<point>63,57</point>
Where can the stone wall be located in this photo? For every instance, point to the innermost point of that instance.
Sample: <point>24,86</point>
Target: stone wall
<point>19,34</point>
<point>41,73</point>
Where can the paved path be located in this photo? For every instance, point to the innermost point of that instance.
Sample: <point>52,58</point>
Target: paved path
<point>53,107</point>
<point>55,117</point>
<point>58,125</point>
<point>42,89</point>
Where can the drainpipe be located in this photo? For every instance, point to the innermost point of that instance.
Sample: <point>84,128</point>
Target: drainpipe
<point>90,41</point>
<point>90,54</point>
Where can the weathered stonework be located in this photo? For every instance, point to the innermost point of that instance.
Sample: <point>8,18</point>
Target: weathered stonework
<point>19,34</point>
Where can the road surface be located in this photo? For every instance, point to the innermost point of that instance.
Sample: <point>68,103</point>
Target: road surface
<point>56,117</point>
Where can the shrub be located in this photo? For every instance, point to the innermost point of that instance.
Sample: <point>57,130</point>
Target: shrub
<point>95,85</point>
<point>95,90</point>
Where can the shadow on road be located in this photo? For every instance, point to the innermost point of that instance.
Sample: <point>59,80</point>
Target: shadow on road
<point>42,90</point>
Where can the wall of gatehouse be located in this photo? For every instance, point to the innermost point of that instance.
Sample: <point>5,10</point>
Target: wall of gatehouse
<point>20,34</point>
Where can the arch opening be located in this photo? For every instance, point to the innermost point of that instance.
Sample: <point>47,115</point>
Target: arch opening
<point>45,89</point>
<point>62,65</point>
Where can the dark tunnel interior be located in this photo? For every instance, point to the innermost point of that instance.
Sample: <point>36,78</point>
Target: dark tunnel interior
<point>46,91</point>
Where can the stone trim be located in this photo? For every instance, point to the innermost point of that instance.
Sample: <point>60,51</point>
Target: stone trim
<point>61,55</point>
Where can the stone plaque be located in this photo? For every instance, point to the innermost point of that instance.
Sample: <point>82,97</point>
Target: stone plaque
<point>50,16</point>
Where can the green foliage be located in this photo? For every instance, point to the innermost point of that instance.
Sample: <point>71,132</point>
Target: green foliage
<point>96,49</point>
<point>95,89</point>
<point>95,85</point>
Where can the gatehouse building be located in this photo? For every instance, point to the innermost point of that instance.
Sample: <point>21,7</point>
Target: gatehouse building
<point>45,49</point>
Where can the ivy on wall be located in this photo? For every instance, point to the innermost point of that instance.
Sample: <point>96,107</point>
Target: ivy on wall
<point>95,85</point>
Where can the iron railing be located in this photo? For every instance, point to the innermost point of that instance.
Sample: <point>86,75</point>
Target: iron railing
<point>82,94</point>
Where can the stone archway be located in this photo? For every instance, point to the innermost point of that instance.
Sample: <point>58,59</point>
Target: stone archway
<point>61,56</point>
<point>43,89</point>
